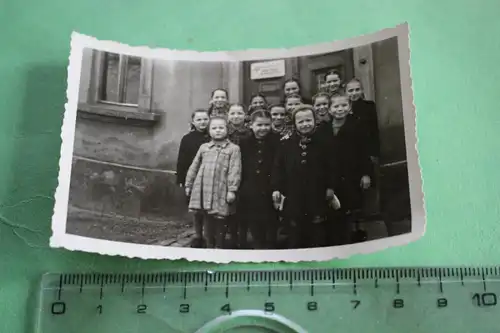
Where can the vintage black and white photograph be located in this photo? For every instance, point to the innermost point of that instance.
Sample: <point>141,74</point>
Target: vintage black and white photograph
<point>261,155</point>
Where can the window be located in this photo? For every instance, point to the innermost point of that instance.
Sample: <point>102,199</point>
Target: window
<point>120,85</point>
<point>120,79</point>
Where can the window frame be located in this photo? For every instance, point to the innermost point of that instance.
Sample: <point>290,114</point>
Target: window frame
<point>123,61</point>
<point>142,111</point>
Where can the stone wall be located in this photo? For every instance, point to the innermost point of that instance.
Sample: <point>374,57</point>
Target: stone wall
<point>115,189</point>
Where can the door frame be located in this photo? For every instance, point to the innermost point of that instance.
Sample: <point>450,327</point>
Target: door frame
<point>310,65</point>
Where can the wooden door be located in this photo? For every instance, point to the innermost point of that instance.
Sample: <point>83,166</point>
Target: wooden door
<point>313,68</point>
<point>271,88</point>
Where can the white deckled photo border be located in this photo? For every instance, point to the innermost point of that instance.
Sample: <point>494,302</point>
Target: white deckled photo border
<point>61,239</point>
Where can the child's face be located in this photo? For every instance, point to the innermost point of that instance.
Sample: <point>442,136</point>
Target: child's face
<point>218,129</point>
<point>261,127</point>
<point>291,88</point>
<point>304,121</point>
<point>323,87</point>
<point>257,102</point>
<point>340,107</point>
<point>200,121</point>
<point>354,90</point>
<point>321,105</point>
<point>236,115</point>
<point>332,82</point>
<point>278,115</point>
<point>219,99</point>
<point>292,103</point>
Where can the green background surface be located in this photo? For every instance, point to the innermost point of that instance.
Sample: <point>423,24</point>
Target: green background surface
<point>455,53</point>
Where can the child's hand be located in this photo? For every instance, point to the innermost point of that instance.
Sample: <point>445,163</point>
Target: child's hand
<point>335,203</point>
<point>276,196</point>
<point>231,196</point>
<point>188,191</point>
<point>329,194</point>
<point>365,182</point>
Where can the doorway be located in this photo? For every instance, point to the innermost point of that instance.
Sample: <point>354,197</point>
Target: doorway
<point>309,70</point>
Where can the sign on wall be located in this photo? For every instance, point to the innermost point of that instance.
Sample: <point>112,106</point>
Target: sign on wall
<point>267,69</point>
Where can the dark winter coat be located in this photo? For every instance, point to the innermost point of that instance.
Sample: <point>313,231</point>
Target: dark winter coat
<point>366,112</point>
<point>235,135</point>
<point>257,159</point>
<point>303,174</point>
<point>352,160</point>
<point>190,143</point>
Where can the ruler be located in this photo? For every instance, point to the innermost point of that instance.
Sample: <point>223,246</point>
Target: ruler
<point>408,300</point>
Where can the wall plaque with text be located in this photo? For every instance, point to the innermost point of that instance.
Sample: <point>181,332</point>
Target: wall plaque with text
<point>267,69</point>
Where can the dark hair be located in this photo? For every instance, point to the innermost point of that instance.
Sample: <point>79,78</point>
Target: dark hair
<point>276,105</point>
<point>321,94</point>
<point>259,113</point>
<point>258,95</point>
<point>217,118</point>
<point>219,89</point>
<point>292,80</point>
<point>237,104</point>
<point>333,72</point>
<point>339,95</point>
<point>198,111</point>
<point>302,108</point>
<point>193,114</point>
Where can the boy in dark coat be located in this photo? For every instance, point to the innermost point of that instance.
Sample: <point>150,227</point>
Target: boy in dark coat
<point>366,112</point>
<point>304,174</point>
<point>190,143</point>
<point>353,165</point>
<point>255,208</point>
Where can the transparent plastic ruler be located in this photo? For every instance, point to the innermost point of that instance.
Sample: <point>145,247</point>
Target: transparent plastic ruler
<point>408,300</point>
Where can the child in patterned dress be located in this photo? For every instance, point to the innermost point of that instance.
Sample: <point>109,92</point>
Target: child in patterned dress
<point>213,180</point>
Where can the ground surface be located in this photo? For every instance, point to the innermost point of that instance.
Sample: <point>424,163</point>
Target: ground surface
<point>160,232</point>
<point>130,230</point>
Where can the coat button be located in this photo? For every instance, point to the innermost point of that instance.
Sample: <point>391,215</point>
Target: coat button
<point>303,153</point>
<point>260,152</point>
<point>303,161</point>
<point>257,171</point>
<point>260,161</point>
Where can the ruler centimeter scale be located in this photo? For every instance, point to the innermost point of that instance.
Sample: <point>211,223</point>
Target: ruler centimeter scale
<point>409,300</point>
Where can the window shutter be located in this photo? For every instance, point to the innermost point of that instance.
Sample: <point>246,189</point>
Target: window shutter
<point>146,85</point>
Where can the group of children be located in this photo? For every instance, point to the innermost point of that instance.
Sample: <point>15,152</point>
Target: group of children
<point>296,169</point>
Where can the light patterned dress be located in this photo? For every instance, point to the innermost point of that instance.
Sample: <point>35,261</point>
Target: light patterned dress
<point>215,170</point>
